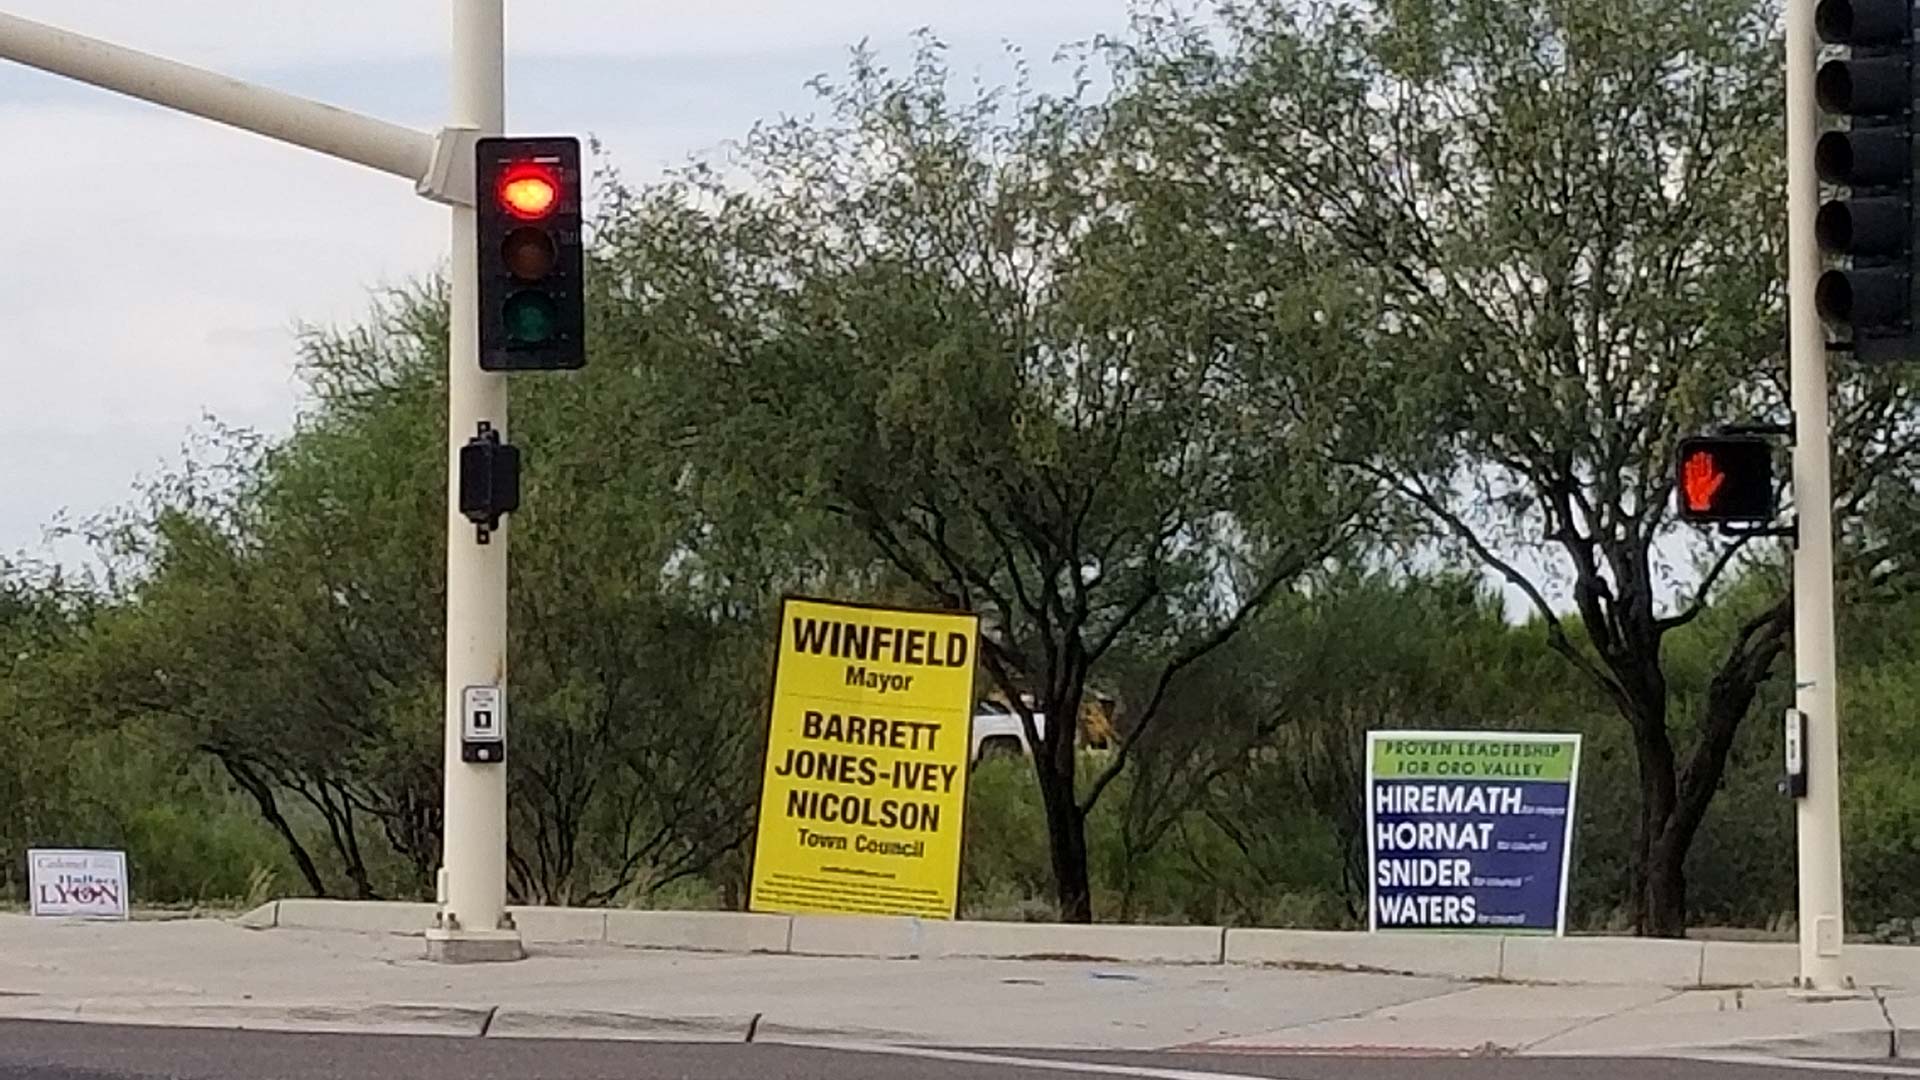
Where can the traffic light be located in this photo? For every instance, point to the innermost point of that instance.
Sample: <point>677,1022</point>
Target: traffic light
<point>489,480</point>
<point>532,268</point>
<point>1725,478</point>
<point>1871,228</point>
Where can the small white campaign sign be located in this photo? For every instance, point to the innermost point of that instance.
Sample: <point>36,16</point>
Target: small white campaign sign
<point>88,884</point>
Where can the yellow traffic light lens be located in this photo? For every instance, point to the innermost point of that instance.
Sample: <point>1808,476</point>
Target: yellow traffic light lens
<point>529,253</point>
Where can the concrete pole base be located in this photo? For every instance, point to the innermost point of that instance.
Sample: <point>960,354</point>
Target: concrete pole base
<point>474,946</point>
<point>1809,996</point>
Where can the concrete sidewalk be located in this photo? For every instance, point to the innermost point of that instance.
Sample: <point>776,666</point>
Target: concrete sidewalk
<point>217,973</point>
<point>1606,961</point>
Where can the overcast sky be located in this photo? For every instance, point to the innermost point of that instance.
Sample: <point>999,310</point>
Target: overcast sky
<point>160,263</point>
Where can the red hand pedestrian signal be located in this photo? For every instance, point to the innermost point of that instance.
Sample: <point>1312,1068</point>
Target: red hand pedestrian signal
<point>1725,478</point>
<point>1700,478</point>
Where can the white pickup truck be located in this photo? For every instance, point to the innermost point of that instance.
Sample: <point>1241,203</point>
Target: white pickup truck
<point>997,730</point>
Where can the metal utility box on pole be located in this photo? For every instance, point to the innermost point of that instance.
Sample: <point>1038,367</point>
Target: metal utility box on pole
<point>472,923</point>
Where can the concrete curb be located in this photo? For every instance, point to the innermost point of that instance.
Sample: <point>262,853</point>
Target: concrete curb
<point>1883,965</point>
<point>1859,1044</point>
<point>264,917</point>
<point>1614,960</point>
<point>560,926</point>
<point>510,1023</point>
<point>901,938</point>
<point>353,916</point>
<point>1743,963</point>
<point>1453,956</point>
<point>773,1031</point>
<point>701,931</point>
<point>1123,944</point>
<point>1483,957</point>
<point>362,1019</point>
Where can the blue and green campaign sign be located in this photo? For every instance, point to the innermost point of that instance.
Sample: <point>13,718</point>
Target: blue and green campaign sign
<point>1470,830</point>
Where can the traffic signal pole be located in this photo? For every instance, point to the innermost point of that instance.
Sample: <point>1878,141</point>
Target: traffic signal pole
<point>472,923</point>
<point>335,132</point>
<point>1814,662</point>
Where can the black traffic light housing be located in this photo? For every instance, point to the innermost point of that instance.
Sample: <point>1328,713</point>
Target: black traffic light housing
<point>532,264</point>
<point>1722,479</point>
<point>489,480</point>
<point>1872,298</point>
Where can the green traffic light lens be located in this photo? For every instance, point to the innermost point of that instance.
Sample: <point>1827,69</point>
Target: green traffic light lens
<point>531,318</point>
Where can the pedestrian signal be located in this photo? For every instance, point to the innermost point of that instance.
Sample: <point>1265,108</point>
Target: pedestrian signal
<point>1725,478</point>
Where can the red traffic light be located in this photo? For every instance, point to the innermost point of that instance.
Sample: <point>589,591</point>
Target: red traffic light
<point>532,262</point>
<point>529,190</point>
<point>1725,478</point>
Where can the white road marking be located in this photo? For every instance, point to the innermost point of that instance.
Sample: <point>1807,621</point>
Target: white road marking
<point>969,1057</point>
<point>1889,1067</point>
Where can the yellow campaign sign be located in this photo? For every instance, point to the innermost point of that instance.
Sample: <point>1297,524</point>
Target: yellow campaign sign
<point>866,772</point>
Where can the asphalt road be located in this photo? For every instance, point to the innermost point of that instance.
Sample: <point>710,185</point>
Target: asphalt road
<point>60,1051</point>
